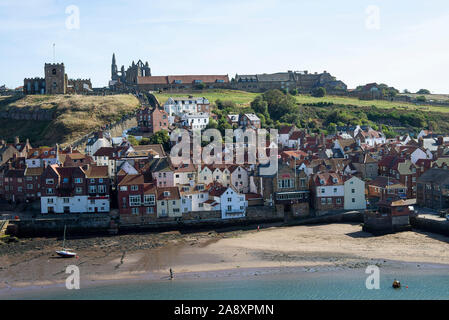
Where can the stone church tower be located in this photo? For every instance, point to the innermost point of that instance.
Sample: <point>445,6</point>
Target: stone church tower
<point>55,78</point>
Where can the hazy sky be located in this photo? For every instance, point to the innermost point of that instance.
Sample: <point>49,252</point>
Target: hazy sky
<point>402,43</point>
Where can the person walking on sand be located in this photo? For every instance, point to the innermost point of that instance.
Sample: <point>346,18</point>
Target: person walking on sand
<point>171,274</point>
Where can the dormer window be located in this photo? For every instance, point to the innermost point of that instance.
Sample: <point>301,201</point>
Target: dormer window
<point>166,193</point>
<point>335,180</point>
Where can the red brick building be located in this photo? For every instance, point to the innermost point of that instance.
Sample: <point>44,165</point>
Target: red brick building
<point>152,120</point>
<point>136,199</point>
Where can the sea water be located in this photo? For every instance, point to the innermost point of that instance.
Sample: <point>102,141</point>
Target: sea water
<point>341,285</point>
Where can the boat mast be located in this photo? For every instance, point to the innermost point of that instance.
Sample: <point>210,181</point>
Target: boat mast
<point>63,243</point>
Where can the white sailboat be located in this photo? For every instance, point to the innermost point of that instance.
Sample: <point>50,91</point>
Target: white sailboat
<point>65,253</point>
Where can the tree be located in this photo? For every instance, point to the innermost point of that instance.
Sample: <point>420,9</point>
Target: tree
<point>225,104</point>
<point>421,99</point>
<point>294,92</point>
<point>406,91</point>
<point>212,124</point>
<point>423,91</point>
<point>200,86</point>
<point>161,137</point>
<point>145,141</point>
<point>132,140</point>
<point>319,92</point>
<point>259,105</point>
<point>279,104</point>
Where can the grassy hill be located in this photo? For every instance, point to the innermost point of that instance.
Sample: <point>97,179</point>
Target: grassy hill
<point>243,99</point>
<point>318,113</point>
<point>73,116</point>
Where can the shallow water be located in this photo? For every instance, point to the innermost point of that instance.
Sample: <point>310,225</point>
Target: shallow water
<point>422,284</point>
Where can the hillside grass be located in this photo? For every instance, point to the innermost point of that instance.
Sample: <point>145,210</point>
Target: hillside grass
<point>243,99</point>
<point>74,116</point>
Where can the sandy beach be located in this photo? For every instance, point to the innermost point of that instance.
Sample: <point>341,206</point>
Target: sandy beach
<point>32,262</point>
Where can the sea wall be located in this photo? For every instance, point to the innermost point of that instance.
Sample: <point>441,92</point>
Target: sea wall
<point>430,225</point>
<point>76,224</point>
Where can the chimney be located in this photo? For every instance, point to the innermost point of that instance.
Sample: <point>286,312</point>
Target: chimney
<point>16,140</point>
<point>2,142</point>
<point>440,140</point>
<point>27,141</point>
<point>100,135</point>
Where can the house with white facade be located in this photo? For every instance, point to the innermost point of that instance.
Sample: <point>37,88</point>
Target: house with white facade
<point>195,121</point>
<point>232,204</point>
<point>354,194</point>
<point>180,106</point>
<point>97,142</point>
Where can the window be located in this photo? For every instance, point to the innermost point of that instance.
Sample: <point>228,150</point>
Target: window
<point>102,188</point>
<point>150,210</point>
<point>149,199</point>
<point>323,190</point>
<point>123,188</point>
<point>92,189</point>
<point>66,200</point>
<point>335,190</point>
<point>134,188</point>
<point>50,200</point>
<point>338,200</point>
<point>29,186</point>
<point>79,190</point>
<point>78,180</point>
<point>353,190</point>
<point>135,210</point>
<point>353,200</point>
<point>229,208</point>
<point>134,201</point>
<point>49,181</point>
<point>92,180</point>
<point>50,190</point>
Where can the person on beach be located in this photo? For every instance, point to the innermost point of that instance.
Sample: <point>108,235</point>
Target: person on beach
<point>171,274</point>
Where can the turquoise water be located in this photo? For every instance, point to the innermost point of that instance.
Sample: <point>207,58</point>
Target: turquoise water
<point>318,285</point>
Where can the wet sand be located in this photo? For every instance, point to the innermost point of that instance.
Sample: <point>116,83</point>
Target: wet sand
<point>33,262</point>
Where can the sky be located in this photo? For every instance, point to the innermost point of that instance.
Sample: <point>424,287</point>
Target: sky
<point>404,44</point>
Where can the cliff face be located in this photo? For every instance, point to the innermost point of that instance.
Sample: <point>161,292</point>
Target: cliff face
<point>27,113</point>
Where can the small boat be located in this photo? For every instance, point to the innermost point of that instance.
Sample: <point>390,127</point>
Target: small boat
<point>65,253</point>
<point>396,284</point>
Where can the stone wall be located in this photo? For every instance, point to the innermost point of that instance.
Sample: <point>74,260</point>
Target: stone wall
<point>76,224</point>
<point>440,227</point>
<point>28,113</point>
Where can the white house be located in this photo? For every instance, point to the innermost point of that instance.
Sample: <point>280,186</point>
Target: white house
<point>232,203</point>
<point>179,106</point>
<point>239,178</point>
<point>198,120</point>
<point>96,143</point>
<point>193,197</point>
<point>420,154</point>
<point>354,194</point>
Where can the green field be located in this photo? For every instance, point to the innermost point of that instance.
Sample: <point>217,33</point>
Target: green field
<point>243,99</point>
